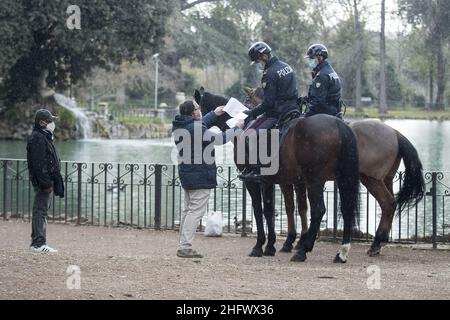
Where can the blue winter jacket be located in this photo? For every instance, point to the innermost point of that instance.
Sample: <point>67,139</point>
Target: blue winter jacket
<point>194,170</point>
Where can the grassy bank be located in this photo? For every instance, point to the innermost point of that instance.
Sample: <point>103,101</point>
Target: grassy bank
<point>407,113</point>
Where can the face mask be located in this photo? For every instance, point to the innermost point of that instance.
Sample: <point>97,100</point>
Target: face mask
<point>259,67</point>
<point>51,127</point>
<point>312,63</point>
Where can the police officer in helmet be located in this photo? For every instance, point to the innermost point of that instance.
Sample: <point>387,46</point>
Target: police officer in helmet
<point>280,93</point>
<point>324,95</point>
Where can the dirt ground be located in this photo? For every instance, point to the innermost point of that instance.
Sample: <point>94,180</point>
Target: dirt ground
<point>121,263</point>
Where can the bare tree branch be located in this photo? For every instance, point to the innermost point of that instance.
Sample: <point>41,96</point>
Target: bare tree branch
<point>185,5</point>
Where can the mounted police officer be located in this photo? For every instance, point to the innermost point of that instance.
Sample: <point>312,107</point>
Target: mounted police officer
<point>324,95</point>
<point>280,93</point>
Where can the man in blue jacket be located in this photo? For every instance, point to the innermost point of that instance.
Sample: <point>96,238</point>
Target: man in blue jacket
<point>196,166</point>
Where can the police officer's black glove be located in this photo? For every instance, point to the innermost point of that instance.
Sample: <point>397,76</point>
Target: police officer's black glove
<point>247,112</point>
<point>303,100</point>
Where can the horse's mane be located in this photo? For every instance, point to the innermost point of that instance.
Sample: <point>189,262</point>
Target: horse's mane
<point>259,92</point>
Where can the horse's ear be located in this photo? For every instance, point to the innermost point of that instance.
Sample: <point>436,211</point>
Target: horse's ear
<point>247,90</point>
<point>197,96</point>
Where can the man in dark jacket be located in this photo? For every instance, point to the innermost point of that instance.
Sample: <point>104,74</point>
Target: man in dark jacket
<point>196,167</point>
<point>324,95</point>
<point>44,169</point>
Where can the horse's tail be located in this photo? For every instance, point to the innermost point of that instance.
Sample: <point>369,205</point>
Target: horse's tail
<point>347,173</point>
<point>413,187</point>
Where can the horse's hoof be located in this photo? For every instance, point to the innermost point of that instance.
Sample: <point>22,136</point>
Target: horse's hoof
<point>338,259</point>
<point>256,252</point>
<point>373,252</point>
<point>269,251</point>
<point>286,248</point>
<point>299,257</point>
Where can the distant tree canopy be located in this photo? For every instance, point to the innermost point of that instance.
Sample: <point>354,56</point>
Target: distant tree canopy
<point>38,49</point>
<point>225,34</point>
<point>433,18</point>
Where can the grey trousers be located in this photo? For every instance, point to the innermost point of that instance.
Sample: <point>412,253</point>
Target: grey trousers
<point>42,202</point>
<point>195,204</point>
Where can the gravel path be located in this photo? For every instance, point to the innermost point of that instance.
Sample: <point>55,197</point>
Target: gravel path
<point>122,263</point>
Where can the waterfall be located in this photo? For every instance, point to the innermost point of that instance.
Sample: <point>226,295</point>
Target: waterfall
<point>83,124</point>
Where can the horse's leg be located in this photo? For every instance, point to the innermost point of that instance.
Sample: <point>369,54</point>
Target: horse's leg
<point>302,203</point>
<point>288,194</point>
<point>315,196</point>
<point>386,201</point>
<point>269,209</point>
<point>254,190</point>
<point>342,255</point>
<point>389,183</point>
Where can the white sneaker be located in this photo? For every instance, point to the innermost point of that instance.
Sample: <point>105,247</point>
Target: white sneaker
<point>43,249</point>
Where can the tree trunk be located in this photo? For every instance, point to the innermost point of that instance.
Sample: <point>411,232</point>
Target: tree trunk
<point>383,104</point>
<point>440,78</point>
<point>358,60</point>
<point>431,88</point>
<point>120,95</point>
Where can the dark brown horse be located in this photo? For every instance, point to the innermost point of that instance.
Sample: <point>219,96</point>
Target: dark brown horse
<point>313,155</point>
<point>381,148</point>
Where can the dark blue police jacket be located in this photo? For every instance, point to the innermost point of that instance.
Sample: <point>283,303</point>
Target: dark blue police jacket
<point>325,90</point>
<point>280,89</point>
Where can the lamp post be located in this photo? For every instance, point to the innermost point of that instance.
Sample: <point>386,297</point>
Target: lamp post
<point>155,56</point>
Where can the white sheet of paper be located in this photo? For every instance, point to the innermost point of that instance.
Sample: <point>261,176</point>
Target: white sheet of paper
<point>241,115</point>
<point>234,107</point>
<point>233,121</point>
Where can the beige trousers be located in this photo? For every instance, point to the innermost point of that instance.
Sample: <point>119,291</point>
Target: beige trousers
<point>195,204</point>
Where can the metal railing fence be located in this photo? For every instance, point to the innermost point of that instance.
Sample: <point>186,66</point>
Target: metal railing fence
<point>151,196</point>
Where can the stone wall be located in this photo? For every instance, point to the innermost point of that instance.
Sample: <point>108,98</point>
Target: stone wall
<point>17,124</point>
<point>108,129</point>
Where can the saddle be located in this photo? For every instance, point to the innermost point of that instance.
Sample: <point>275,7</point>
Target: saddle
<point>289,116</point>
<point>280,125</point>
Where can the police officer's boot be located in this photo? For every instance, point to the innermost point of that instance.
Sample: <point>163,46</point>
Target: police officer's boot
<point>254,175</point>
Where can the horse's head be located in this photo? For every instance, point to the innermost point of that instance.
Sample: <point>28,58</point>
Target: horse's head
<point>209,102</point>
<point>254,96</point>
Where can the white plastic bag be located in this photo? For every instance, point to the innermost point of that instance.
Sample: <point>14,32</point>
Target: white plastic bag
<point>214,224</point>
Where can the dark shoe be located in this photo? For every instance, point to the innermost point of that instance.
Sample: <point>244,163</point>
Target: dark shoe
<point>188,253</point>
<point>251,176</point>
